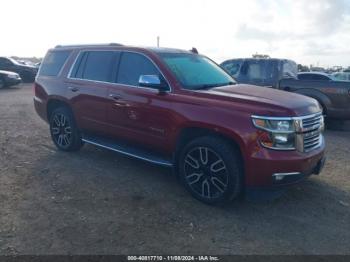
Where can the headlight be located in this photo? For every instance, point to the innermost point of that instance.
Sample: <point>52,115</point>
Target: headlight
<point>276,133</point>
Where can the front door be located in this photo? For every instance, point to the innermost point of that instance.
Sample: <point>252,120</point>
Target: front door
<point>139,114</point>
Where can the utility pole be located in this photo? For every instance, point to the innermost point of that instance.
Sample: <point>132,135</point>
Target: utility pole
<point>158,41</point>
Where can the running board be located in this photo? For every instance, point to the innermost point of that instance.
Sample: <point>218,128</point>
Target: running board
<point>129,150</point>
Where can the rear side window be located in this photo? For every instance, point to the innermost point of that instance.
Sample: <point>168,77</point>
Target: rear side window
<point>95,65</point>
<point>304,77</point>
<point>320,77</point>
<point>53,63</point>
<point>99,65</point>
<point>132,66</point>
<point>313,77</point>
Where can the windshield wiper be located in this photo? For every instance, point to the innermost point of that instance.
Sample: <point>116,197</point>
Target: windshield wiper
<point>208,86</point>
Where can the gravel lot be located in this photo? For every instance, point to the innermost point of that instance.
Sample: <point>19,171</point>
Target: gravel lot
<point>98,202</point>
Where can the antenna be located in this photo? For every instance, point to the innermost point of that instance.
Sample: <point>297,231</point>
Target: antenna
<point>158,38</point>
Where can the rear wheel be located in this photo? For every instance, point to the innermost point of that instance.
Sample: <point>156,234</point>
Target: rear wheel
<point>209,168</point>
<point>64,131</point>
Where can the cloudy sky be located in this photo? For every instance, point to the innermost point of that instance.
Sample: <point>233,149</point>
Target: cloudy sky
<point>309,32</point>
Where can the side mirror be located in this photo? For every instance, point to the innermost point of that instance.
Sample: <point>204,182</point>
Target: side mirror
<point>153,81</point>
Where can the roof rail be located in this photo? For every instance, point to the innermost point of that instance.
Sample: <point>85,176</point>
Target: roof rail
<point>92,45</point>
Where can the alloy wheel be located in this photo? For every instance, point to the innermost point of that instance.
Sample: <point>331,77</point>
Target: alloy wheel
<point>205,172</point>
<point>61,130</point>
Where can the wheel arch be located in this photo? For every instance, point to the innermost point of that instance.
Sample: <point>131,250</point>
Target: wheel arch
<point>187,134</point>
<point>54,103</point>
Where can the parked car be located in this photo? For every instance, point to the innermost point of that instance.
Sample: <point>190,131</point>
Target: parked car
<point>26,72</point>
<point>341,76</point>
<point>9,79</point>
<point>333,96</point>
<point>179,109</point>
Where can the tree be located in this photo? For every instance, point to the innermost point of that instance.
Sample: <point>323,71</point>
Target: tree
<point>303,68</point>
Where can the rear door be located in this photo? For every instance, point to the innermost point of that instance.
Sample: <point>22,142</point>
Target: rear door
<point>136,113</point>
<point>88,85</point>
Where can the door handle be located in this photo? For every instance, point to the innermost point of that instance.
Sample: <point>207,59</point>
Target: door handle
<point>115,96</point>
<point>73,88</point>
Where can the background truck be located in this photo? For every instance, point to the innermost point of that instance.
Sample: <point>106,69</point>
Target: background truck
<point>333,95</point>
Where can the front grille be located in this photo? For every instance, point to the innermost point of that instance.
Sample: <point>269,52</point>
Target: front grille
<point>313,122</point>
<point>312,128</point>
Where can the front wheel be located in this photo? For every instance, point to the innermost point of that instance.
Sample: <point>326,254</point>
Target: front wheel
<point>2,83</point>
<point>210,170</point>
<point>64,131</point>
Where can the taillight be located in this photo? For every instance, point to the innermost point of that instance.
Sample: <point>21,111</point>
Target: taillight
<point>38,91</point>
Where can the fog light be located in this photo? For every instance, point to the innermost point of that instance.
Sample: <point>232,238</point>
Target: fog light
<point>281,176</point>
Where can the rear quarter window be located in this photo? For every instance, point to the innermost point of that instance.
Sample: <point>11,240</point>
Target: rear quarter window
<point>53,63</point>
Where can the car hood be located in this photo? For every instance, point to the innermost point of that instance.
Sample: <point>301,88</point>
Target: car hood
<point>267,100</point>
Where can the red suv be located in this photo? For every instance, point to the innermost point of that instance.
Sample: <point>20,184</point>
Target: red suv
<point>180,109</point>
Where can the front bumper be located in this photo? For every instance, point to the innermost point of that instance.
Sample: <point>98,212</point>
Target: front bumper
<point>267,193</point>
<point>264,164</point>
<point>12,81</point>
<point>286,179</point>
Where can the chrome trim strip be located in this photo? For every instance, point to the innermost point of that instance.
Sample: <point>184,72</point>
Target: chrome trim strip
<point>37,99</point>
<point>114,84</point>
<point>278,149</point>
<point>128,154</point>
<point>301,133</point>
<point>286,174</point>
<point>298,123</point>
<point>121,51</point>
<point>287,118</point>
<point>271,130</point>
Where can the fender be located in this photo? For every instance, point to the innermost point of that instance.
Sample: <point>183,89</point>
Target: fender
<point>315,94</point>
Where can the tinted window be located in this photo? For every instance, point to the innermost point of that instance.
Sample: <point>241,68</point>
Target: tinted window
<point>78,69</point>
<point>132,66</point>
<point>305,77</point>
<point>5,63</point>
<point>259,71</point>
<point>232,67</point>
<point>196,71</point>
<point>313,77</point>
<point>98,65</point>
<point>53,63</point>
<point>289,69</point>
<point>320,77</point>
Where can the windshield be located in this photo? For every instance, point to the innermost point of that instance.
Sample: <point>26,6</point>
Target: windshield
<point>14,61</point>
<point>195,71</point>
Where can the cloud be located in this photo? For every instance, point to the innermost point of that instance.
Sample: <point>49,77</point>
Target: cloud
<point>300,29</point>
<point>303,30</point>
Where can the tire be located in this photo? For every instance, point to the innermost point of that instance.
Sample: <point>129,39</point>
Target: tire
<point>27,77</point>
<point>209,169</point>
<point>64,131</point>
<point>2,83</point>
